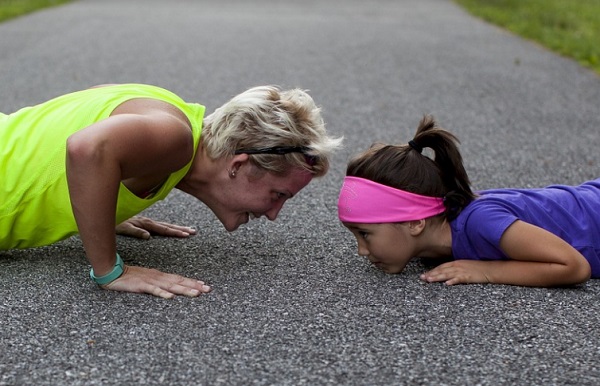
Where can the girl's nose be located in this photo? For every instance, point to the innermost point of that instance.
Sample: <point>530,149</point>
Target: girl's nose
<point>362,249</point>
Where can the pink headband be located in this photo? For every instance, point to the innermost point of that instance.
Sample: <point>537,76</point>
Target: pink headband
<point>367,202</point>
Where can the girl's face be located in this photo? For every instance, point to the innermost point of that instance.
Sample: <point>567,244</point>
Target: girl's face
<point>388,246</point>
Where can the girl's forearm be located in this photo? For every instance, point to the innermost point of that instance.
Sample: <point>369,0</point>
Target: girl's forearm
<point>512,272</point>
<point>538,258</point>
<point>534,274</point>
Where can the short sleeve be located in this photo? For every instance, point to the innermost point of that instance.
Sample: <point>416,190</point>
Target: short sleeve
<point>481,227</point>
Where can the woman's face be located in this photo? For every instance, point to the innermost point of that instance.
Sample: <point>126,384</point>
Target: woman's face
<point>253,195</point>
<point>388,246</point>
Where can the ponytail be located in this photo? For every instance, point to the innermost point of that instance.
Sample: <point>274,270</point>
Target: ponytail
<point>449,162</point>
<point>405,167</point>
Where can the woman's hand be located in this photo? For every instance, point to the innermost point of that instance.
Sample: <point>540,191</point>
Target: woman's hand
<point>458,272</point>
<point>157,283</point>
<point>143,228</point>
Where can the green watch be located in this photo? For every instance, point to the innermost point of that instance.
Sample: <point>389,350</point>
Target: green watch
<point>113,275</point>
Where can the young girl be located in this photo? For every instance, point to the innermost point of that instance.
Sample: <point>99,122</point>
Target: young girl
<point>401,204</point>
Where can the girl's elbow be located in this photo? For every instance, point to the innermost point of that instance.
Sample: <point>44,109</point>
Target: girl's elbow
<point>582,272</point>
<point>586,272</point>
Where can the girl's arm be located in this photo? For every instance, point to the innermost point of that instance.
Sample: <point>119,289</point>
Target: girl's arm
<point>99,157</point>
<point>538,259</point>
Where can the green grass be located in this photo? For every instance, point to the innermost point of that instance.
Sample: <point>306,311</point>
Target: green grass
<point>13,8</point>
<point>568,27</point>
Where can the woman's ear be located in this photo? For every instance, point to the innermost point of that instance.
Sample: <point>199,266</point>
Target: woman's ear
<point>416,227</point>
<point>235,163</point>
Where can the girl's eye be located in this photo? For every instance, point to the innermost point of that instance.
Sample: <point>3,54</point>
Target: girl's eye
<point>363,234</point>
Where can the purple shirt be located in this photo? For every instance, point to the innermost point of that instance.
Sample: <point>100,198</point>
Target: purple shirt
<point>570,212</point>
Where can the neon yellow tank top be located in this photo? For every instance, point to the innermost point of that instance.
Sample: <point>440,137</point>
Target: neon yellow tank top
<point>35,207</point>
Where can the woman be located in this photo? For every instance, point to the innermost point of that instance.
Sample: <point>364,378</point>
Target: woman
<point>85,161</point>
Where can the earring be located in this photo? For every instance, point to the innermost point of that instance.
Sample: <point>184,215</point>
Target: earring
<point>232,173</point>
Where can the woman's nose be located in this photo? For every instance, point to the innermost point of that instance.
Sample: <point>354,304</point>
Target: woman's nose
<point>274,211</point>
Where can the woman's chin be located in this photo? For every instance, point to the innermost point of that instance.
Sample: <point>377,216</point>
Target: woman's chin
<point>234,224</point>
<point>231,227</point>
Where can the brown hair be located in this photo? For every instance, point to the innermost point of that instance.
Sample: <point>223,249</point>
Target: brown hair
<point>404,167</point>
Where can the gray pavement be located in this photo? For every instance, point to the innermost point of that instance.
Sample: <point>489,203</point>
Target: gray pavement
<point>293,304</point>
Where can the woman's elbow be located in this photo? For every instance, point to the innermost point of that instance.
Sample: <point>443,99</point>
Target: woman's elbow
<point>80,150</point>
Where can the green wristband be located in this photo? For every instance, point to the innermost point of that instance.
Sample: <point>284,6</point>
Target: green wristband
<point>113,275</point>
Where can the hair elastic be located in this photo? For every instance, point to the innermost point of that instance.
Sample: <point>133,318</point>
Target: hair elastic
<point>365,201</point>
<point>414,145</point>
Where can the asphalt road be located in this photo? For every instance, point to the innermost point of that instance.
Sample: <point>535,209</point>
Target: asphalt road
<point>293,304</point>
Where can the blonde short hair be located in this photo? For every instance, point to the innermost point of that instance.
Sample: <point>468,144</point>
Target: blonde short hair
<point>265,117</point>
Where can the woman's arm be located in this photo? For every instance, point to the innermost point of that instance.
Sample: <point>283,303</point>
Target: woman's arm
<point>124,146</point>
<point>538,259</point>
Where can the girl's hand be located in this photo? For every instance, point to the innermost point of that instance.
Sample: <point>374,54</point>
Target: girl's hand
<point>157,283</point>
<point>458,272</point>
<point>143,228</point>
